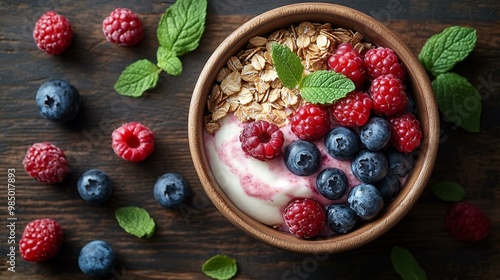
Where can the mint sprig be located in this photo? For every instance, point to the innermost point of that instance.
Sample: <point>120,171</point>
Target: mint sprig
<point>448,191</point>
<point>220,267</point>
<point>135,221</point>
<point>406,265</point>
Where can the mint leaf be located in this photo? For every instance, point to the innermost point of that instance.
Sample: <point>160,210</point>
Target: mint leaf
<point>220,267</point>
<point>405,264</point>
<point>458,100</point>
<point>442,51</point>
<point>182,25</point>
<point>168,62</point>
<point>324,87</point>
<point>135,221</point>
<point>137,78</point>
<point>287,64</point>
<point>448,191</point>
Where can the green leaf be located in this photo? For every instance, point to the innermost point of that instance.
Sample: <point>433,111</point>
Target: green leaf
<point>442,51</point>
<point>220,267</point>
<point>169,62</point>
<point>448,191</point>
<point>182,25</point>
<point>324,87</point>
<point>137,78</point>
<point>287,64</point>
<point>458,100</point>
<point>406,265</point>
<point>135,221</point>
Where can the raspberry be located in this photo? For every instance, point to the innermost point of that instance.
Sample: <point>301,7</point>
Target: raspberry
<point>46,163</point>
<point>52,33</point>
<point>348,62</point>
<point>383,61</point>
<point>41,240</point>
<point>310,122</point>
<point>388,95</point>
<point>405,132</point>
<point>467,222</point>
<point>133,141</point>
<point>262,140</point>
<point>304,217</point>
<point>353,109</point>
<point>123,27</point>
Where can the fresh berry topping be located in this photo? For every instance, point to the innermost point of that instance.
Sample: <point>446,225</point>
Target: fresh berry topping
<point>388,95</point>
<point>400,163</point>
<point>366,201</point>
<point>123,27</point>
<point>467,222</point>
<point>58,100</point>
<point>332,183</point>
<point>310,122</point>
<point>340,218</point>
<point>383,61</point>
<point>369,167</point>
<point>375,134</point>
<point>41,240</point>
<point>406,132</point>
<point>94,186</point>
<point>342,143</point>
<point>262,140</point>
<point>353,109</point>
<point>170,190</point>
<point>348,62</point>
<point>389,187</point>
<point>304,217</point>
<point>46,163</point>
<point>97,258</point>
<point>302,158</point>
<point>52,33</point>
<point>133,141</point>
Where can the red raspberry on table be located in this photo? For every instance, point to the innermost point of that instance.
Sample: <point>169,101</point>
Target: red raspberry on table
<point>261,140</point>
<point>352,110</point>
<point>46,163</point>
<point>304,217</point>
<point>348,62</point>
<point>310,122</point>
<point>467,222</point>
<point>41,240</point>
<point>123,27</point>
<point>383,61</point>
<point>406,133</point>
<point>52,33</point>
<point>389,95</point>
<point>133,141</point>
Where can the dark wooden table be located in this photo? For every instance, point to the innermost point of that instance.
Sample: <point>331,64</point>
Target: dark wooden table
<point>184,240</point>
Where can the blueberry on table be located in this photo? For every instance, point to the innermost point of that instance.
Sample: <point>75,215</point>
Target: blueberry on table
<point>302,158</point>
<point>332,183</point>
<point>340,218</point>
<point>94,186</point>
<point>375,134</point>
<point>170,190</point>
<point>97,258</point>
<point>366,201</point>
<point>342,143</point>
<point>58,101</point>
<point>369,167</point>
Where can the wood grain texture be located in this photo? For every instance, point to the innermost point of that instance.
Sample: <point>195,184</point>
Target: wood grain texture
<point>184,240</point>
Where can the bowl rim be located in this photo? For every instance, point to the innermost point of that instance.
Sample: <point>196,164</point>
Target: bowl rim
<point>339,16</point>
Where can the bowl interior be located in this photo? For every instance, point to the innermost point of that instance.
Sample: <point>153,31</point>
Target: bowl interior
<point>374,31</point>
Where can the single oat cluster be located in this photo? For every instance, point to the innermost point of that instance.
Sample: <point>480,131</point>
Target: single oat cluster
<point>248,85</point>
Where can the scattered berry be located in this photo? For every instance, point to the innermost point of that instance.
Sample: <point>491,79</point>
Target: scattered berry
<point>170,190</point>
<point>332,183</point>
<point>400,163</point>
<point>94,186</point>
<point>304,217</point>
<point>52,33</point>
<point>123,27</point>
<point>348,62</point>
<point>97,258</point>
<point>467,222</point>
<point>262,140</point>
<point>133,141</point>
<point>58,100</point>
<point>46,163</point>
<point>383,61</point>
<point>388,95</point>
<point>389,187</point>
<point>352,110</point>
<point>302,158</point>
<point>366,201</point>
<point>375,134</point>
<point>369,166</point>
<point>405,132</point>
<point>342,143</point>
<point>310,122</point>
<point>41,240</point>
<point>340,218</point>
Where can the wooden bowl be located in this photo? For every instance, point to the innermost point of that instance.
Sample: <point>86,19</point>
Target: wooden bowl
<point>376,32</point>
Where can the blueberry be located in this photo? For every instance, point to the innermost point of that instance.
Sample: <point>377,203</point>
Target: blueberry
<point>400,163</point>
<point>366,201</point>
<point>389,187</point>
<point>369,166</point>
<point>170,190</point>
<point>332,183</point>
<point>97,258</point>
<point>94,186</point>
<point>375,134</point>
<point>340,218</point>
<point>302,158</point>
<point>342,143</point>
<point>58,101</point>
